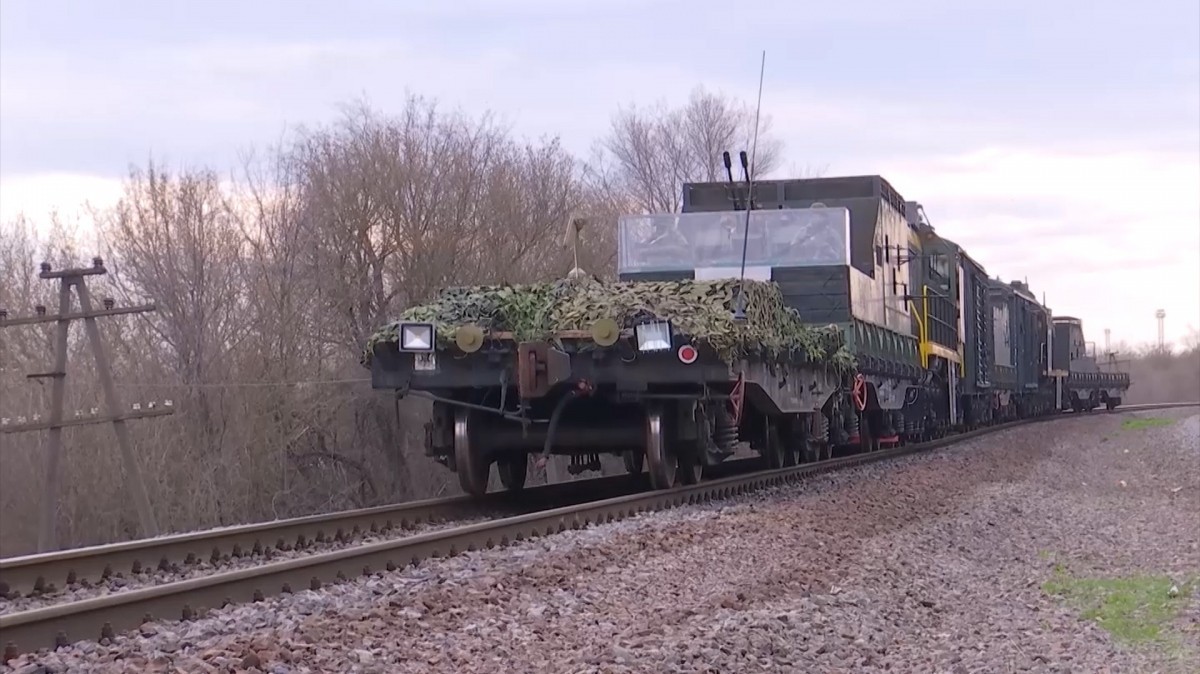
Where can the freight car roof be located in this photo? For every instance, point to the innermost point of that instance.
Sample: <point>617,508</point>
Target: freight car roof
<point>1018,288</point>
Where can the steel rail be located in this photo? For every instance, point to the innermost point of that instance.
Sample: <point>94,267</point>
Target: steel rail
<point>46,572</point>
<point>105,616</point>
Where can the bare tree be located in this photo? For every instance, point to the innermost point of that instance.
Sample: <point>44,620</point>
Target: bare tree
<point>171,238</point>
<point>395,208</point>
<point>268,286</point>
<point>649,154</point>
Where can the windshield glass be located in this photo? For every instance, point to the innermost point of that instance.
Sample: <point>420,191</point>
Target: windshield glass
<point>777,238</point>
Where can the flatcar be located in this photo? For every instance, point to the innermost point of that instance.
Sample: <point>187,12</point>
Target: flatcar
<point>1088,382</point>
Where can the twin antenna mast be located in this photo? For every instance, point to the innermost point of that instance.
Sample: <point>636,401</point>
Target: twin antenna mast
<point>748,170</point>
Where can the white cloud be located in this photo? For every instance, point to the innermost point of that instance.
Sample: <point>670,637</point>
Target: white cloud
<point>70,196</point>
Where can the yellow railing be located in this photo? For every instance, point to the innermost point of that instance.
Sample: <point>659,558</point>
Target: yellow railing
<point>922,336</point>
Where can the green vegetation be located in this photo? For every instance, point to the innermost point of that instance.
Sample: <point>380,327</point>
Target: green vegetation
<point>1145,422</point>
<point>700,309</point>
<point>1136,610</point>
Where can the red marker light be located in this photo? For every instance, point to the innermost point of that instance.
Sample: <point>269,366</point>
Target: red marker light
<point>688,354</point>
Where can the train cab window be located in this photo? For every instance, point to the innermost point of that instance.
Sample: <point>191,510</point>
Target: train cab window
<point>939,265</point>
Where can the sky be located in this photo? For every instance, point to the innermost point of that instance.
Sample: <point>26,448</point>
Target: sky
<point>1055,141</point>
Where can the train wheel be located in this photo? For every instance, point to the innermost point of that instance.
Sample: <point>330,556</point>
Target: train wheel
<point>512,470</point>
<point>634,461</point>
<point>795,441</point>
<point>473,469</point>
<point>774,453</point>
<point>660,455</point>
<point>690,468</point>
<point>812,452</point>
<point>868,431</point>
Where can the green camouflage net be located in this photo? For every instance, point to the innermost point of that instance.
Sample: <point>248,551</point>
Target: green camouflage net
<point>700,309</point>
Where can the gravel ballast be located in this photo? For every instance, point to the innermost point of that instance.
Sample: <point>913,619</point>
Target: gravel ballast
<point>943,562</point>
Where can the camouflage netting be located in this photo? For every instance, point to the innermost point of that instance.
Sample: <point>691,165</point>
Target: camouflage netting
<point>701,309</point>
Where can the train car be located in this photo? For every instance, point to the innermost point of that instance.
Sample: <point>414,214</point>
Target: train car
<point>953,312</point>
<point>1084,384</point>
<point>976,326</point>
<point>895,300</point>
<point>1022,336</point>
<point>936,279</point>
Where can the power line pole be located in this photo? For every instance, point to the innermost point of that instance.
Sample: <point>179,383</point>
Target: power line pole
<point>114,412</point>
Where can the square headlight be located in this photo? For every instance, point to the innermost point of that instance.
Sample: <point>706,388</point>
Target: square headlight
<point>416,337</point>
<point>653,336</point>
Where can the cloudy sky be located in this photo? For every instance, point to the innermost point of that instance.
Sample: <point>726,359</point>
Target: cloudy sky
<point>1058,141</point>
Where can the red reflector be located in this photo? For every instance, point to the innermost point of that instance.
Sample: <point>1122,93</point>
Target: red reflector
<point>688,354</point>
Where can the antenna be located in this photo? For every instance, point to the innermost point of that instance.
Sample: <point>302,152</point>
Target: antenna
<point>737,204</point>
<point>746,178</point>
<point>739,307</point>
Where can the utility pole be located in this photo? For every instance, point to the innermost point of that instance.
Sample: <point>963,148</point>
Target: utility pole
<point>114,412</point>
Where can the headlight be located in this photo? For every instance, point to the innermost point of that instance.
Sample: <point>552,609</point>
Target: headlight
<point>653,336</point>
<point>416,337</point>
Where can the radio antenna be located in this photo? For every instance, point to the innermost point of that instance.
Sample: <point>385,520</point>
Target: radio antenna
<point>739,306</point>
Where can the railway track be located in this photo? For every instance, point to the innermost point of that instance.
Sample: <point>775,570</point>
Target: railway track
<point>542,511</point>
<point>44,574</point>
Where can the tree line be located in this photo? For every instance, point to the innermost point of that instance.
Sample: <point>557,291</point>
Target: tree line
<point>269,282</point>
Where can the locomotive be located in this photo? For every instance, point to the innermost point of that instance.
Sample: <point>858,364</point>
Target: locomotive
<point>987,351</point>
<point>934,344</point>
